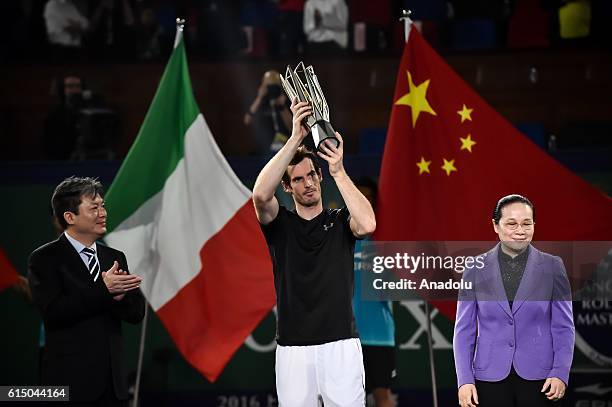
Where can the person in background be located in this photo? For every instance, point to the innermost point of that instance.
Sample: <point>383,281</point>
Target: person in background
<point>326,27</point>
<point>60,129</point>
<point>269,114</point>
<point>148,35</point>
<point>66,27</point>
<point>290,21</point>
<point>374,322</point>
<point>112,29</point>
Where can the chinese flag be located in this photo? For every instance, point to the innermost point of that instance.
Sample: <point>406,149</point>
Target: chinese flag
<point>449,157</point>
<point>8,275</point>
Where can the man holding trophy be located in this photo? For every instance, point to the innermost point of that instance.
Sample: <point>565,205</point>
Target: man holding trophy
<point>318,354</point>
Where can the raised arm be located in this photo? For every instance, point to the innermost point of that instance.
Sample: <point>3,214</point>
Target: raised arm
<point>363,222</point>
<point>266,205</point>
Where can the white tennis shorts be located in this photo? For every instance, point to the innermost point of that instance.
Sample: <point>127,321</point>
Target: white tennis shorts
<point>332,371</point>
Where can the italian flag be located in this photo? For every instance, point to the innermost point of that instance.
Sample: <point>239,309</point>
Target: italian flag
<point>187,226</point>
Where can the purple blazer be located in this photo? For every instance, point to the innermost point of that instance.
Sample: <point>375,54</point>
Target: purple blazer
<point>536,335</point>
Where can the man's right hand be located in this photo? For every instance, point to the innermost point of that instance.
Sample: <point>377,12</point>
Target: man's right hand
<point>468,397</point>
<point>300,110</point>
<point>117,282</point>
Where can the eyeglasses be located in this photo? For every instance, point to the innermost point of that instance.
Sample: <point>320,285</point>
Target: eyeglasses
<point>515,225</point>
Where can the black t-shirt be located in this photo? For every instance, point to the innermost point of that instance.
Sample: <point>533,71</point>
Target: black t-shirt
<point>313,276</point>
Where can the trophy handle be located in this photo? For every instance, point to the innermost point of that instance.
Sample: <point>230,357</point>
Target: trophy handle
<point>321,131</point>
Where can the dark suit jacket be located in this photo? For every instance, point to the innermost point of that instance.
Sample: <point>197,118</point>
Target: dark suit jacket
<point>82,320</point>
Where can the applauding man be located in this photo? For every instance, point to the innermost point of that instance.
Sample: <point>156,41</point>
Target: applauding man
<point>84,291</point>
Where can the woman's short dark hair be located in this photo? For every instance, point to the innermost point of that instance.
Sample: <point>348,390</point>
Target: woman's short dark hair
<point>67,195</point>
<point>301,153</point>
<point>507,200</point>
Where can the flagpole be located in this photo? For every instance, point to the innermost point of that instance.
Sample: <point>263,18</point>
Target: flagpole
<point>180,26</point>
<point>434,387</point>
<point>407,23</point>
<point>432,368</point>
<point>143,334</point>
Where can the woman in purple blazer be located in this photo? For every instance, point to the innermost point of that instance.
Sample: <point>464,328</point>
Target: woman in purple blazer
<point>514,332</point>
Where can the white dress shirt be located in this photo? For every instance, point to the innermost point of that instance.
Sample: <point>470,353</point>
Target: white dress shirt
<point>334,21</point>
<point>58,14</point>
<point>78,246</point>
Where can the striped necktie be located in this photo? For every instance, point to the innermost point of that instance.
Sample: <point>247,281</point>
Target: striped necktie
<point>93,265</point>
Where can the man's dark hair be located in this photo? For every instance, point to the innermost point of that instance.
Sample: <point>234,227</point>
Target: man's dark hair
<point>507,200</point>
<point>301,153</point>
<point>368,182</point>
<point>67,195</point>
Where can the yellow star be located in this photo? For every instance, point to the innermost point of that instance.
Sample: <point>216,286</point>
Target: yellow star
<point>416,99</point>
<point>449,166</point>
<point>467,143</point>
<point>465,113</point>
<point>423,166</point>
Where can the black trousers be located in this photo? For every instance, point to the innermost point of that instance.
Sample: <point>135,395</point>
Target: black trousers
<point>513,391</point>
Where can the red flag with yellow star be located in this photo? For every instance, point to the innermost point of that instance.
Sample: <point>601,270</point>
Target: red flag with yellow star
<point>449,157</point>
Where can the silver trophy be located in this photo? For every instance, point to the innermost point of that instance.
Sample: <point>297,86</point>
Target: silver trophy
<point>302,84</point>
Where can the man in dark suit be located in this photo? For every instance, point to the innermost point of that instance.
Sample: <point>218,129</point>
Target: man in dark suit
<point>84,291</point>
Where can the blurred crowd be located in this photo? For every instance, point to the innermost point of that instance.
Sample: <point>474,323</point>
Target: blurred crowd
<point>60,30</point>
<point>82,126</point>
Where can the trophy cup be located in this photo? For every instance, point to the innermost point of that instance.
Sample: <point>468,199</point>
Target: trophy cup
<point>302,83</point>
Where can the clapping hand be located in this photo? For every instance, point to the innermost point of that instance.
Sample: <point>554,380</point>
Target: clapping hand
<point>118,282</point>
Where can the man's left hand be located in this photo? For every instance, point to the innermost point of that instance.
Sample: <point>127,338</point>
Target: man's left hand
<point>120,296</point>
<point>557,388</point>
<point>333,155</point>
